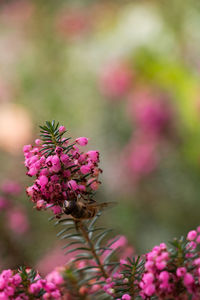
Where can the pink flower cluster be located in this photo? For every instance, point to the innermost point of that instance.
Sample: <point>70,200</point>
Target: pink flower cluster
<point>141,157</point>
<point>166,273</point>
<point>61,175</point>
<point>167,276</point>
<point>150,114</point>
<point>20,286</point>
<point>115,80</point>
<point>156,278</point>
<point>73,23</point>
<point>194,237</point>
<point>18,220</point>
<point>152,118</point>
<point>8,284</point>
<point>10,187</point>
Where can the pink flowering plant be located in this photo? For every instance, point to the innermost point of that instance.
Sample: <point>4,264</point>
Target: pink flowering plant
<point>100,267</point>
<point>61,169</point>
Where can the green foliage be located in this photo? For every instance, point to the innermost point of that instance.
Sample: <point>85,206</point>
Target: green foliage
<point>132,274</point>
<point>28,277</point>
<point>52,138</point>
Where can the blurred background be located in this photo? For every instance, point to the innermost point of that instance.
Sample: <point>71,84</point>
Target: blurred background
<point>126,74</point>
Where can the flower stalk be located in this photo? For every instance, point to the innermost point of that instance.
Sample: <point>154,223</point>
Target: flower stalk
<point>93,251</point>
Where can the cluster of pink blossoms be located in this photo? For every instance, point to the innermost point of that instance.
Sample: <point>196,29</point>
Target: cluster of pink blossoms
<point>62,174</point>
<point>151,116</point>
<point>25,285</point>
<point>115,80</point>
<point>162,274</point>
<point>150,113</point>
<point>155,277</point>
<point>167,276</point>
<point>110,286</point>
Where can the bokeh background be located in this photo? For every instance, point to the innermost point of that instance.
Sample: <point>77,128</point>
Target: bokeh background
<point>126,74</point>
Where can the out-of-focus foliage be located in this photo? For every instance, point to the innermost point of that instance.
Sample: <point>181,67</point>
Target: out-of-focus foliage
<point>123,73</point>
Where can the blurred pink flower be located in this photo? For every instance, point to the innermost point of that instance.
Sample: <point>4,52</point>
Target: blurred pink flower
<point>142,160</point>
<point>3,203</point>
<point>54,258</point>
<point>11,187</point>
<point>17,220</point>
<point>140,156</point>
<point>122,247</point>
<point>150,112</point>
<point>115,80</point>
<point>73,22</point>
<point>55,276</point>
<point>17,12</point>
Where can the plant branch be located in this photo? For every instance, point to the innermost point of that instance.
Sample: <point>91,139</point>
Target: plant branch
<point>90,244</point>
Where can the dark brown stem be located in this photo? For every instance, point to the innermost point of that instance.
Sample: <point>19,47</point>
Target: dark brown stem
<point>90,244</point>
